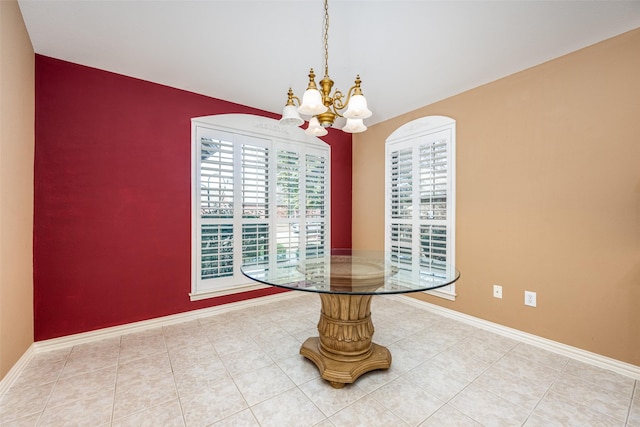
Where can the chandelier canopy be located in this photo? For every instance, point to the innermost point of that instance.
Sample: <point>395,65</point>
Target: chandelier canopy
<point>321,105</point>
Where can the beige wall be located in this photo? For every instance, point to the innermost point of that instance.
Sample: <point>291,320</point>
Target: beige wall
<point>16,186</point>
<point>548,197</point>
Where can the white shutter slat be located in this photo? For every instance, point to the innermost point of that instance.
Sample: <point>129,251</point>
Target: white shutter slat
<point>401,250</point>
<point>216,250</point>
<point>288,242</point>
<point>216,178</point>
<point>314,229</point>
<point>255,244</point>
<point>401,183</point>
<point>288,176</point>
<point>433,180</point>
<point>255,181</point>
<point>315,186</point>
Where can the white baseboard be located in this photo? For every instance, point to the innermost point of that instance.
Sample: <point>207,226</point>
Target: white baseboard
<point>623,368</point>
<point>115,331</point>
<point>581,355</point>
<point>15,371</point>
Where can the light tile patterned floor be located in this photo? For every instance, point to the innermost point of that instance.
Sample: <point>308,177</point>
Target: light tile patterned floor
<point>242,368</point>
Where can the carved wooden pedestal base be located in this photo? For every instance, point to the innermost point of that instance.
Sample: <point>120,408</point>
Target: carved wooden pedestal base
<point>339,373</point>
<point>344,350</point>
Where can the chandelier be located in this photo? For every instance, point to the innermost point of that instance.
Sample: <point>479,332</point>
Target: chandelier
<point>321,105</point>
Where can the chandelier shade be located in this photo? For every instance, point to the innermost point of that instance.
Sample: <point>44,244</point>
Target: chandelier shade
<point>290,116</point>
<point>357,108</point>
<point>314,128</point>
<point>321,105</point>
<point>354,126</point>
<point>312,103</point>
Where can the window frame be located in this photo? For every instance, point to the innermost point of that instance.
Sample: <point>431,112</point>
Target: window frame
<point>410,137</point>
<point>257,131</point>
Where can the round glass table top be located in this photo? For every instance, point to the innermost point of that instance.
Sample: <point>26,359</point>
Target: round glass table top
<point>356,273</point>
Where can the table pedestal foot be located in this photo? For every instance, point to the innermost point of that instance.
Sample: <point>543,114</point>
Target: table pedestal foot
<point>340,372</point>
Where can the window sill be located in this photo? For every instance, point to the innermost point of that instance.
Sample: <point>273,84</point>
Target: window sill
<point>451,296</point>
<point>229,290</point>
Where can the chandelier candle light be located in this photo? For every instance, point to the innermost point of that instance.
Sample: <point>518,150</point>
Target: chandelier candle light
<point>323,107</point>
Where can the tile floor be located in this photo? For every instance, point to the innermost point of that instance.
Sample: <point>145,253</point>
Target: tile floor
<point>242,368</point>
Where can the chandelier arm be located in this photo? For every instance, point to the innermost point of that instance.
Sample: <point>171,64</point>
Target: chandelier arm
<point>338,101</point>
<point>291,97</point>
<point>336,111</point>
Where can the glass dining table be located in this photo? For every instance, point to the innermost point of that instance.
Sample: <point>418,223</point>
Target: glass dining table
<point>346,281</point>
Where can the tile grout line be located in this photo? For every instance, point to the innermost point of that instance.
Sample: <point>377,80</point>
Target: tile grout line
<point>173,374</point>
<point>115,385</point>
<point>55,384</point>
<point>634,392</point>
<point>559,372</point>
<point>470,383</point>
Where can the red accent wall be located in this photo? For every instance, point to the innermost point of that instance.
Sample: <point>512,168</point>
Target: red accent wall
<point>112,237</point>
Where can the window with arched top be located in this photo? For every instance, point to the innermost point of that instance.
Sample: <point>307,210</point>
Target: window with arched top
<point>420,194</point>
<point>260,195</point>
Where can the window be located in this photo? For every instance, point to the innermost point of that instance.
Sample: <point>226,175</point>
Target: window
<point>420,195</point>
<point>260,195</point>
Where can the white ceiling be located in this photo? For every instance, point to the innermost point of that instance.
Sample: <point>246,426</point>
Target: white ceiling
<point>408,53</point>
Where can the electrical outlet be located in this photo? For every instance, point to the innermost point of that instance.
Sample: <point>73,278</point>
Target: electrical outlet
<point>497,291</point>
<point>530,298</point>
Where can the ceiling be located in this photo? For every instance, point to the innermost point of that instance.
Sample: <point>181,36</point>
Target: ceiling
<point>408,53</point>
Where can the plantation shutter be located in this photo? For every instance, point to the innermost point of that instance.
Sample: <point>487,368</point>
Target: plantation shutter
<point>260,196</point>
<point>288,202</point>
<point>401,206</point>
<point>216,206</point>
<point>419,196</point>
<point>433,190</point>
<point>234,177</point>
<point>255,204</point>
<point>315,209</point>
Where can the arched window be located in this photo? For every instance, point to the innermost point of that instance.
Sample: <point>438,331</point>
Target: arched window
<point>260,195</point>
<point>420,194</point>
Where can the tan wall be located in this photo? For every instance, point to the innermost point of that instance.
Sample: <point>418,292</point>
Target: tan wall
<point>548,197</point>
<point>16,186</point>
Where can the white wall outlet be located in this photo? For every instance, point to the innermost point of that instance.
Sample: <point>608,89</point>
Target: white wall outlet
<point>497,291</point>
<point>530,298</point>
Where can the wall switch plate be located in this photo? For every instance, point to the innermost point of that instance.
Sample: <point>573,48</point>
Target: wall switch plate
<point>497,291</point>
<point>530,298</point>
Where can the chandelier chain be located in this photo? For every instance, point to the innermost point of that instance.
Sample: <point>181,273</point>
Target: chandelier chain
<point>326,37</point>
